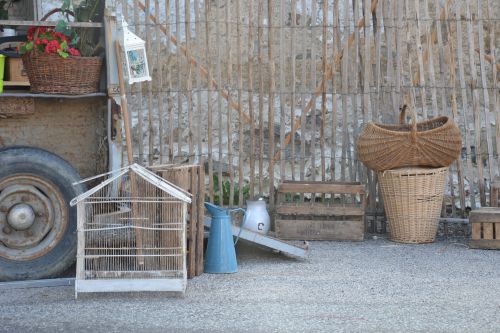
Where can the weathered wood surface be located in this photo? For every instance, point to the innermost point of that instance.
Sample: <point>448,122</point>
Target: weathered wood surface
<point>349,230</point>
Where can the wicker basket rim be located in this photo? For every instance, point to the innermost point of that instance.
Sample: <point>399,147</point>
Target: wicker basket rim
<point>447,121</point>
<point>42,54</point>
<point>412,171</point>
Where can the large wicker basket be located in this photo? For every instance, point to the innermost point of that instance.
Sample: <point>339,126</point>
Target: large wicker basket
<point>433,143</point>
<point>413,199</point>
<point>52,74</point>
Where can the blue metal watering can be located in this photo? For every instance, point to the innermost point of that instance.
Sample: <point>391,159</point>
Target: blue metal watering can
<point>220,255</point>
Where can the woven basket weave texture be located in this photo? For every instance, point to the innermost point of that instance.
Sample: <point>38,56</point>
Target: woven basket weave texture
<point>52,74</point>
<point>412,201</point>
<point>433,143</point>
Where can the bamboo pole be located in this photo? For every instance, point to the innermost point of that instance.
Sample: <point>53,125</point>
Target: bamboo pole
<point>204,70</point>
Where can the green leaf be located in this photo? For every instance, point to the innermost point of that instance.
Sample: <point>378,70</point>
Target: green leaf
<point>65,5</point>
<point>29,46</point>
<point>63,54</point>
<point>64,46</point>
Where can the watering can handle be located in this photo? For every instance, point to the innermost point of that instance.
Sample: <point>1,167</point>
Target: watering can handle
<point>244,220</point>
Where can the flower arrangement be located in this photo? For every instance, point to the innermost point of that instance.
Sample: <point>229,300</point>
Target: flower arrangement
<point>51,41</point>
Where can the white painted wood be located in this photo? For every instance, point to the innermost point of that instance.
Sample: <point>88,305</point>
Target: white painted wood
<point>44,283</point>
<point>267,241</point>
<point>128,285</point>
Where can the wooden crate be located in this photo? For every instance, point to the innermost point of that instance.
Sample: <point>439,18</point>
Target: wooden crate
<point>15,75</point>
<point>485,223</point>
<point>334,212</point>
<point>192,179</point>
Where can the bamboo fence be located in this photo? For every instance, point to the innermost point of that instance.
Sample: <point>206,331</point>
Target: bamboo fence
<point>265,91</point>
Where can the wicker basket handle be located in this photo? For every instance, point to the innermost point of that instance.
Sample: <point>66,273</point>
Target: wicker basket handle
<point>402,121</point>
<point>50,13</point>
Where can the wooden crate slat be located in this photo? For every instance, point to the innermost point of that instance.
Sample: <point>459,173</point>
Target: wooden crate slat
<point>484,244</point>
<point>497,230</point>
<point>485,214</point>
<point>476,231</point>
<point>321,187</point>
<point>316,209</point>
<point>320,230</point>
<point>488,231</point>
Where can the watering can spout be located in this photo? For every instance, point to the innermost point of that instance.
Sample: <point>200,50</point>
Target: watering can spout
<point>215,210</point>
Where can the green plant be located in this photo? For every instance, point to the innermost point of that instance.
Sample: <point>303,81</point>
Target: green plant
<point>226,192</point>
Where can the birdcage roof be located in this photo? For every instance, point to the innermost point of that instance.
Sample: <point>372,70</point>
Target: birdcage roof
<point>142,172</point>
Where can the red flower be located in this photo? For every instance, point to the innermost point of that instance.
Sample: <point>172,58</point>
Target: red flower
<point>74,52</point>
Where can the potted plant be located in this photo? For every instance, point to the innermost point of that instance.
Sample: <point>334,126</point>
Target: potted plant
<point>53,59</point>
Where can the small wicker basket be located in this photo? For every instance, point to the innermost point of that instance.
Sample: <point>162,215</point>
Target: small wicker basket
<point>433,143</point>
<point>412,200</point>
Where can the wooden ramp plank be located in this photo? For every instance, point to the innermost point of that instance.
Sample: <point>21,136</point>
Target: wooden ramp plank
<point>267,241</point>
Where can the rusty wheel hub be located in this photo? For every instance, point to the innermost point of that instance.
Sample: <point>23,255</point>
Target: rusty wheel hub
<point>32,217</point>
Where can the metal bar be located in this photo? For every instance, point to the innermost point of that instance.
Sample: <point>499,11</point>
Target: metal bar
<point>61,282</point>
<point>49,24</point>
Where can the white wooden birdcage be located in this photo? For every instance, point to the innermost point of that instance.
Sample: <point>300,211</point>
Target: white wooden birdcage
<point>131,234</point>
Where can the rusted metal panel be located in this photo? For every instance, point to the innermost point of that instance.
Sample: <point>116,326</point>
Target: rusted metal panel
<point>73,129</point>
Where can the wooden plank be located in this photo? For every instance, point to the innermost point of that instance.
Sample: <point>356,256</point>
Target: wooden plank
<point>189,80</point>
<point>293,102</point>
<point>485,214</point>
<point>16,106</point>
<point>315,209</point>
<point>487,231</point>
<point>201,220</point>
<point>229,81</point>
<point>322,187</point>
<point>267,241</point>
<point>209,103</point>
<point>320,230</point>
<point>129,285</point>
<point>484,244</point>
<point>497,230</point>
<point>261,93</point>
<point>149,85</point>
<point>241,124</point>
<point>251,43</point>
<point>476,231</point>
<point>49,24</point>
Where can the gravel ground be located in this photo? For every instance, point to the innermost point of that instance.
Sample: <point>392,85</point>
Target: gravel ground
<point>370,286</point>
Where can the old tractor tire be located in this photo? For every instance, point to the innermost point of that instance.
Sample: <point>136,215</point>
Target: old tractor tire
<point>37,225</point>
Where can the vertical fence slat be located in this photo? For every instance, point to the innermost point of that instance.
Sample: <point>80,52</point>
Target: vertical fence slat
<point>293,24</point>
<point>147,28</point>
<point>494,68</point>
<point>465,104</point>
<point>323,91</point>
<point>283,96</point>
<point>250,97</point>
<point>218,71</point>
<point>241,123</point>
<point>486,96</point>
<point>209,103</point>
<point>335,55</point>
<point>271,101</point>
<point>138,93</point>
<point>260,32</point>
<point>199,110</point>
<point>180,107</point>
<point>159,85</point>
<point>229,80</point>
<point>189,79</point>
